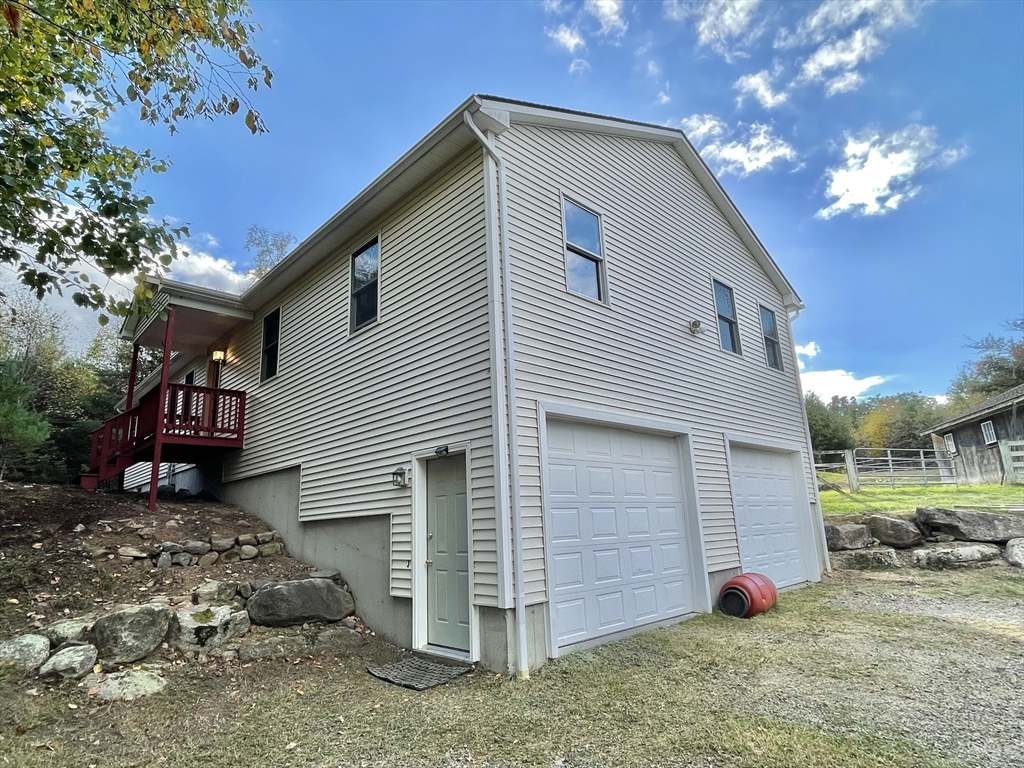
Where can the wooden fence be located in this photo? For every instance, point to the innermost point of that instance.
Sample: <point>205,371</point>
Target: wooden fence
<point>886,466</point>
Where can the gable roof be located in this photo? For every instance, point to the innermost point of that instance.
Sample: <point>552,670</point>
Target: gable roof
<point>992,405</point>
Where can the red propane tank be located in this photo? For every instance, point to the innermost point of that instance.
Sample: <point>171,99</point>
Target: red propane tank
<point>747,595</point>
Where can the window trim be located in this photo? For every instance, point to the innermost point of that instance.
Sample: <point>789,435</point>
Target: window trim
<point>992,429</point>
<point>600,258</point>
<point>277,345</point>
<point>950,443</point>
<point>719,316</point>
<point>352,327</point>
<point>766,338</point>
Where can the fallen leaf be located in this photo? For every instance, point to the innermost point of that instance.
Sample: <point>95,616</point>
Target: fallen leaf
<point>97,668</point>
<point>292,745</point>
<point>37,545</point>
<point>12,601</point>
<point>72,706</point>
<point>92,692</point>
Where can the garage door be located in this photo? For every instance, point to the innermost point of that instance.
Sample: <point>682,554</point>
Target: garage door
<point>618,554</point>
<point>767,515</point>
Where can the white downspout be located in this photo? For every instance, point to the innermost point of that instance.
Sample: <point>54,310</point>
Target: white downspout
<point>522,662</point>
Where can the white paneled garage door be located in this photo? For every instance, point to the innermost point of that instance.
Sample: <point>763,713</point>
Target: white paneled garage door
<point>767,515</point>
<point>617,534</point>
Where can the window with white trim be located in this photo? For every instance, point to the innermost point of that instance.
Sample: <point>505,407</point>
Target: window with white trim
<point>770,331</point>
<point>950,445</point>
<point>988,430</point>
<point>271,342</point>
<point>584,252</point>
<point>728,328</point>
<point>365,273</point>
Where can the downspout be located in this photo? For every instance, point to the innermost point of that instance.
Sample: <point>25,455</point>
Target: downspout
<point>522,662</point>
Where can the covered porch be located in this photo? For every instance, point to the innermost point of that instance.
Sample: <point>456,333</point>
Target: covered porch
<point>169,421</point>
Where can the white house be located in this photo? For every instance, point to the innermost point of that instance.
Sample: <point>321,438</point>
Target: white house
<point>570,345</point>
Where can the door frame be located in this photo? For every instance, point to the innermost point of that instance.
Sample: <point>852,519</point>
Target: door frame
<point>682,434</point>
<point>420,459</point>
<point>811,540</point>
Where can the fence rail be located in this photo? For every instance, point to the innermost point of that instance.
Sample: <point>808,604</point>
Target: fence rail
<point>888,466</point>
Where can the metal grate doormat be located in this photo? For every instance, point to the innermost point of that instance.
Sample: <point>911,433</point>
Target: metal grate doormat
<point>418,674</point>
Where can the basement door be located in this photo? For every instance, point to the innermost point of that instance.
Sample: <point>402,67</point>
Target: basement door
<point>447,553</point>
<point>767,516</point>
<point>618,549</point>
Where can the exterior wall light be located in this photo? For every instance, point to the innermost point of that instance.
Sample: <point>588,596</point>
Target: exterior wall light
<point>400,478</point>
<point>219,356</point>
<point>441,451</point>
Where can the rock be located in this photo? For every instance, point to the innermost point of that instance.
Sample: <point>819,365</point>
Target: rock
<point>132,552</point>
<point>202,626</point>
<point>130,634</point>
<point>847,536</point>
<point>172,547</point>
<point>165,492</point>
<point>245,590</point>
<point>266,537</point>
<point>325,573</point>
<point>26,652</point>
<point>869,559</point>
<point>256,647</point>
<point>951,557</point>
<point>270,549</point>
<point>248,552</point>
<point>183,493</point>
<point>893,532</point>
<point>1015,552</point>
<point>942,538</point>
<point>75,662</point>
<point>216,592</point>
<point>68,630</point>
<point>349,622</point>
<point>208,559</point>
<point>146,533</point>
<point>79,528</point>
<point>183,558</point>
<point>222,543</point>
<point>338,641</point>
<point>971,526</point>
<point>247,539</point>
<point>296,602</point>
<point>197,547</point>
<point>232,555</point>
<point>96,552</point>
<point>164,560</point>
<point>125,686</point>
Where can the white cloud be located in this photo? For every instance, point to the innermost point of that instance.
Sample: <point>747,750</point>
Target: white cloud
<point>759,86</point>
<point>721,25</point>
<point>554,6</point>
<point>663,98</point>
<point>568,38</point>
<point>199,268</point>
<point>609,15</point>
<point>940,399</point>
<point>579,66</point>
<point>653,70</point>
<point>848,81</point>
<point>835,15</point>
<point>837,383</point>
<point>810,349</point>
<point>843,55</point>
<point>745,149</point>
<point>877,174</point>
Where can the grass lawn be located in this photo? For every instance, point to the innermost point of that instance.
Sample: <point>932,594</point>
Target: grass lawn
<point>877,498</point>
<point>837,675</point>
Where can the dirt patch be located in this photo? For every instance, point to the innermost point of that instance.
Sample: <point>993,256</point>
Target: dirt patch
<point>976,611</point>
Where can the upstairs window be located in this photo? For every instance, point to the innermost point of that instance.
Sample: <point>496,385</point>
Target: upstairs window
<point>770,330</point>
<point>988,430</point>
<point>950,445</point>
<point>584,256</point>
<point>271,342</point>
<point>728,329</point>
<point>365,272</point>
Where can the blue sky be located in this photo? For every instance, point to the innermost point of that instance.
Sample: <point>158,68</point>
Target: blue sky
<point>876,147</point>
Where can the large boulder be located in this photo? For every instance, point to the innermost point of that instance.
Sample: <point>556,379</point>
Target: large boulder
<point>871,559</point>
<point>199,627</point>
<point>1015,552</point>
<point>953,557</point>
<point>847,536</point>
<point>75,661</point>
<point>297,602</point>
<point>893,532</point>
<point>971,526</point>
<point>125,686</point>
<point>130,634</point>
<point>68,630</point>
<point>26,652</point>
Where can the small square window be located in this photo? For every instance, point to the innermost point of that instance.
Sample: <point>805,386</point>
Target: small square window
<point>584,254</point>
<point>271,342</point>
<point>950,445</point>
<point>988,430</point>
<point>728,329</point>
<point>365,273</point>
<point>772,348</point>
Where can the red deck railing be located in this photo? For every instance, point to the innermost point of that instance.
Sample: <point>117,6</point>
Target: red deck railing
<point>201,416</point>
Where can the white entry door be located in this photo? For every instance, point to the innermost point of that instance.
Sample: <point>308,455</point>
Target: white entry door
<point>447,553</point>
<point>767,516</point>
<point>618,550</point>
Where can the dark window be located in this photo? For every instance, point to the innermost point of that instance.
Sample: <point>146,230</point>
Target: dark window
<point>365,271</point>
<point>583,253</point>
<point>728,330</point>
<point>772,348</point>
<point>271,342</point>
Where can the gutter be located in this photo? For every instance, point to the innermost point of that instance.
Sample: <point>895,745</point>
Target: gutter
<point>522,661</point>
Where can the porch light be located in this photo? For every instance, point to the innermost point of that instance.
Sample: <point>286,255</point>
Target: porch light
<point>219,355</point>
<point>400,478</point>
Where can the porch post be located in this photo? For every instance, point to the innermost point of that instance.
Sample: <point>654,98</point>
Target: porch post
<point>161,405</point>
<point>131,376</point>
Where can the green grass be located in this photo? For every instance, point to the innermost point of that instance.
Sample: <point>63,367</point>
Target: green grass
<point>908,498</point>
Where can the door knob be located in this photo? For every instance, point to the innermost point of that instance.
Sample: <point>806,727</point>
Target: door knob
<point>430,563</point>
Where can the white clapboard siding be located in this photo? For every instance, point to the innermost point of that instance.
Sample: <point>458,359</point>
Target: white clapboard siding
<point>664,239</point>
<point>348,408</point>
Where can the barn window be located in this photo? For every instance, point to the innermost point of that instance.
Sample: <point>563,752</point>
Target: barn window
<point>271,339</point>
<point>584,252</point>
<point>950,445</point>
<point>365,271</point>
<point>728,329</point>
<point>770,330</point>
<point>989,431</point>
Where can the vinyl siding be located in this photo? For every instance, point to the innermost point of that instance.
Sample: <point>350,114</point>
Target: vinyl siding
<point>664,241</point>
<point>349,408</point>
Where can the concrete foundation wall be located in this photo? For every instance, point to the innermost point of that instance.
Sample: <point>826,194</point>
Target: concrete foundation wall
<point>498,638</point>
<point>358,547</point>
<point>717,579</point>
